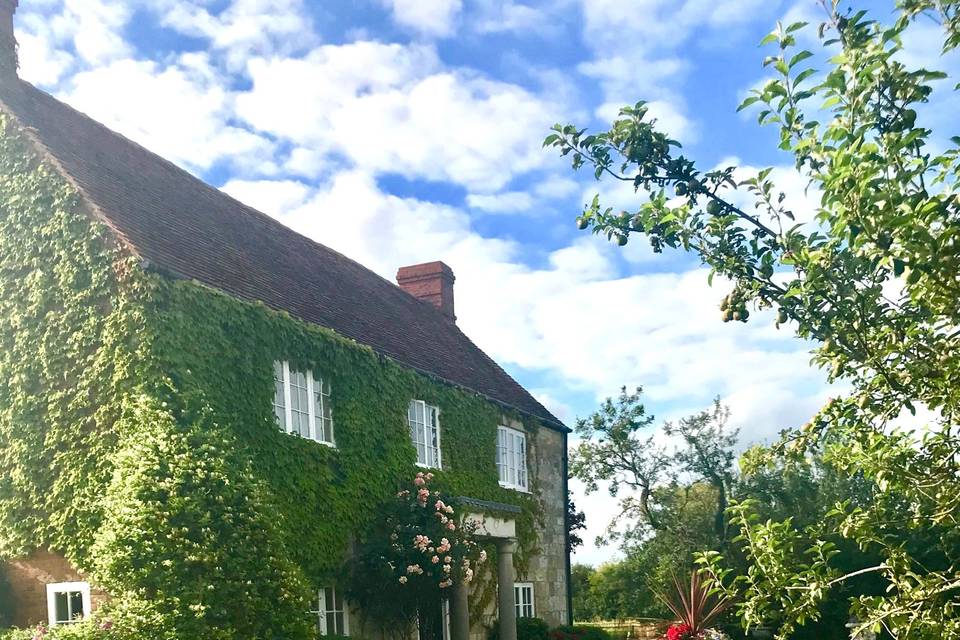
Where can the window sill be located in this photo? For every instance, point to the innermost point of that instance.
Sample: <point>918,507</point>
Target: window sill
<point>512,487</point>
<point>426,466</point>
<point>330,445</point>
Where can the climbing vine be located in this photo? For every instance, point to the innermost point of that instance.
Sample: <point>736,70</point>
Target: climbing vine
<point>137,434</point>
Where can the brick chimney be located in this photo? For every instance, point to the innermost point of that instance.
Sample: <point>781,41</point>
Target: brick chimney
<point>8,44</point>
<point>431,282</point>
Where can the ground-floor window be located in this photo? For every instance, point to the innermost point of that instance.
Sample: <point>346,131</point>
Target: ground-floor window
<point>434,624</point>
<point>331,613</point>
<point>523,593</point>
<point>67,602</point>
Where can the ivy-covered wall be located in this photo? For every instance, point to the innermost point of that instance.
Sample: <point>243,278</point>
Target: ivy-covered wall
<point>219,351</point>
<point>137,434</point>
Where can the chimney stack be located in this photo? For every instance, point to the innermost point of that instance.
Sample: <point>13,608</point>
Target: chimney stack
<point>431,282</point>
<point>8,44</point>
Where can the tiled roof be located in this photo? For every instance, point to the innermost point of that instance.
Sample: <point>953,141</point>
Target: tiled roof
<point>192,230</point>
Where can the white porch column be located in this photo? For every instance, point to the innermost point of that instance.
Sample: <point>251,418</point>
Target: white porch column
<point>506,599</point>
<point>460,612</point>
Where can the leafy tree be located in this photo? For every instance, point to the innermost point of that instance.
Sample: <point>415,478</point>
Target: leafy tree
<point>583,608</point>
<point>618,448</point>
<point>874,279</point>
<point>576,521</point>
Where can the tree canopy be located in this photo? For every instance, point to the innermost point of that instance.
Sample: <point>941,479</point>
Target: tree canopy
<point>873,278</point>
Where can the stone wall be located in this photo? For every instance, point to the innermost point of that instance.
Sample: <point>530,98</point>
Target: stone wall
<point>29,578</point>
<point>548,569</point>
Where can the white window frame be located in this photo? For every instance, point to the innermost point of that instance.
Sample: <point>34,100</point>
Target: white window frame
<point>425,429</point>
<point>512,459</point>
<point>322,612</point>
<point>55,588</point>
<point>524,609</point>
<point>313,385</point>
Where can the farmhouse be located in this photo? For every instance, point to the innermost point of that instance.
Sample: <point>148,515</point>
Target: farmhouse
<point>193,394</point>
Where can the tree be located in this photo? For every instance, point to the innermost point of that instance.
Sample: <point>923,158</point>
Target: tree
<point>583,609</point>
<point>873,278</point>
<point>576,521</point>
<point>618,448</point>
<point>672,502</point>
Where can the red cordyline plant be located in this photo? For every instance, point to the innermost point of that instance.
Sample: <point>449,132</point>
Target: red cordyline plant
<point>696,609</point>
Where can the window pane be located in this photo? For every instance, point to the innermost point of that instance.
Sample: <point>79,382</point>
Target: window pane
<point>62,607</point>
<point>299,404</point>
<point>76,606</point>
<point>279,401</point>
<point>321,411</point>
<point>338,617</point>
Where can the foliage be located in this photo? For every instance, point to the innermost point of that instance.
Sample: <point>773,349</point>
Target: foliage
<point>576,521</point>
<point>583,605</point>
<point>215,567</point>
<point>618,448</point>
<point>874,278</point>
<point>695,606</point>
<point>417,551</point>
<point>123,390</point>
<point>527,629</point>
<point>578,632</point>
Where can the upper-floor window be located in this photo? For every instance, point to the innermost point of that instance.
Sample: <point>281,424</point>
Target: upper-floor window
<point>301,402</point>
<point>512,458</point>
<point>523,592</point>
<point>425,433</point>
<point>331,613</point>
<point>67,602</point>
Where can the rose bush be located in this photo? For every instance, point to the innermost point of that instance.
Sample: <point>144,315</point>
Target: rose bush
<point>420,549</point>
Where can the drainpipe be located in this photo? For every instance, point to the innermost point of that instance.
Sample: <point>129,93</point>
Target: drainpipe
<point>566,529</point>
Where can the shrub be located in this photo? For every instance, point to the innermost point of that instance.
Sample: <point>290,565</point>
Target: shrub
<point>527,629</point>
<point>578,632</point>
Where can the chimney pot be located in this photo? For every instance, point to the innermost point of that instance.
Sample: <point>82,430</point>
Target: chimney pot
<point>8,43</point>
<point>431,282</point>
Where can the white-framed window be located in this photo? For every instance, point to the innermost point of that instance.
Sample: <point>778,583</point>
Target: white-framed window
<point>331,613</point>
<point>301,403</point>
<point>67,602</point>
<point>523,593</point>
<point>424,424</point>
<point>512,458</point>
<point>443,621</point>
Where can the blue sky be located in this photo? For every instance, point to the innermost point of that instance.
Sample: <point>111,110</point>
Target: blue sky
<point>403,131</point>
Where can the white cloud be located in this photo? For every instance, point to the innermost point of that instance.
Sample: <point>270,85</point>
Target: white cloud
<point>428,17</point>
<point>95,28</point>
<point>244,27</point>
<point>508,16</point>
<point>640,53</point>
<point>273,197</point>
<point>40,61</point>
<point>505,202</point>
<point>55,36</point>
<point>393,109</point>
<point>180,111</point>
<point>800,199</point>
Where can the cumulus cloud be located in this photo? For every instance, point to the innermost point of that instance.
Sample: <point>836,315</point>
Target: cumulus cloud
<point>435,18</point>
<point>180,111</point>
<point>506,202</point>
<point>244,27</point>
<point>54,38</point>
<point>392,108</point>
